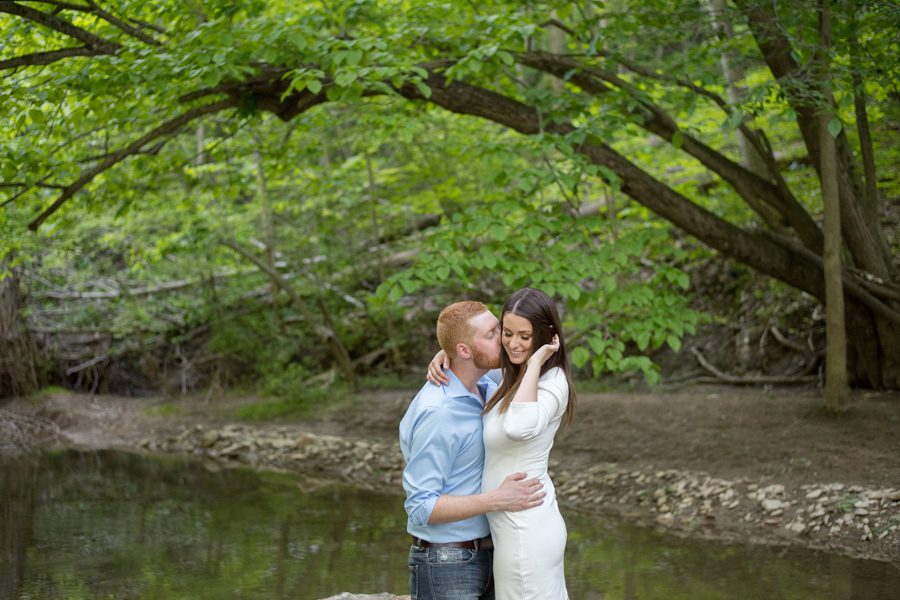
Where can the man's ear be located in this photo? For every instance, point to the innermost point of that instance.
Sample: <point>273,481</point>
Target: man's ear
<point>462,351</point>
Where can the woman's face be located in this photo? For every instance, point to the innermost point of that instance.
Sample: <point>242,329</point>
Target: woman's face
<point>517,335</point>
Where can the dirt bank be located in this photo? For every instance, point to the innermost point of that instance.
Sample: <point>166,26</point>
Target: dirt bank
<point>766,466</point>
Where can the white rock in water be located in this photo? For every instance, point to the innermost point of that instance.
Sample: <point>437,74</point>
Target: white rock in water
<point>665,519</point>
<point>770,505</point>
<point>796,526</point>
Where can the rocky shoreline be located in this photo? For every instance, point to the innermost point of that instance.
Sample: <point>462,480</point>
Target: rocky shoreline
<point>853,520</point>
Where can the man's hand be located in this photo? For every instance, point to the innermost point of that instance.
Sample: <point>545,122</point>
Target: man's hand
<point>436,368</point>
<point>517,493</point>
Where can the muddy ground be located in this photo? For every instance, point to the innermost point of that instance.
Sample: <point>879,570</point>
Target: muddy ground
<point>749,465</point>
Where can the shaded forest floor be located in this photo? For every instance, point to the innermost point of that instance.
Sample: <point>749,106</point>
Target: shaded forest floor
<point>748,465</point>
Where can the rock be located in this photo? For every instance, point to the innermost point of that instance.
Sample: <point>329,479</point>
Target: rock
<point>666,519</point>
<point>796,526</point>
<point>209,439</point>
<point>814,494</point>
<point>770,505</point>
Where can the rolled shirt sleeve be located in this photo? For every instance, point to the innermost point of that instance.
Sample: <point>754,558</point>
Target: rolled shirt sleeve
<point>431,453</point>
<point>525,420</point>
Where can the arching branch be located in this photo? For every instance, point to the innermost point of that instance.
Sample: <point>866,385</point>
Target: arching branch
<point>169,127</point>
<point>761,195</point>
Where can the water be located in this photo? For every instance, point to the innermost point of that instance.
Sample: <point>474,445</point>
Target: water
<point>113,525</point>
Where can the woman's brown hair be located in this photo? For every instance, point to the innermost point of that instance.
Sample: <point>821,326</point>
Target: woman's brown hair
<point>539,309</point>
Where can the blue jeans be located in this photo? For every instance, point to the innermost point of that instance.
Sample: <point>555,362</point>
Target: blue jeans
<point>450,574</point>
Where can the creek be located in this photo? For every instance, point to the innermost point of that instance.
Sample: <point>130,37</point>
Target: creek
<point>115,525</point>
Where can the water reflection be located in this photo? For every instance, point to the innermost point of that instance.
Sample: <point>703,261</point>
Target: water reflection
<point>112,525</point>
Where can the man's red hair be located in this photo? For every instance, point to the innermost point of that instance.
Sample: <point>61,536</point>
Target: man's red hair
<point>453,324</point>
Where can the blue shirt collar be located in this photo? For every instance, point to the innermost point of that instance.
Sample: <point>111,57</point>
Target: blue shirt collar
<point>456,389</point>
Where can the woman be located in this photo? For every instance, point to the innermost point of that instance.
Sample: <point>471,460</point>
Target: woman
<point>520,422</point>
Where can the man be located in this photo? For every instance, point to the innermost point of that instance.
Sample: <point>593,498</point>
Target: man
<point>440,437</point>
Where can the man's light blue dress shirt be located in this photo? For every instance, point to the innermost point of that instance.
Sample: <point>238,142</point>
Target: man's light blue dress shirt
<point>440,438</point>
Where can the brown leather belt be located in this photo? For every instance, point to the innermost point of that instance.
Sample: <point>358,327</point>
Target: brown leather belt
<point>485,543</point>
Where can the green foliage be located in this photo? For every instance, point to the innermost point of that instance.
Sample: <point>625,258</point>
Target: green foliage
<point>338,199</point>
<point>619,287</point>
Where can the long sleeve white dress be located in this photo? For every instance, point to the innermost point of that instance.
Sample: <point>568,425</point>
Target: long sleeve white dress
<point>528,545</point>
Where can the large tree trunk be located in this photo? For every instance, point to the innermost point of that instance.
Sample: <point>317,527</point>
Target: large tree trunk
<point>18,357</point>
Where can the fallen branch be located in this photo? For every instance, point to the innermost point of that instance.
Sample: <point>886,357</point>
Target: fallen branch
<point>788,343</point>
<point>755,379</point>
<point>87,364</point>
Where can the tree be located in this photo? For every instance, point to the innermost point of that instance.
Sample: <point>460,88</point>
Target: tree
<point>836,390</point>
<point>485,61</point>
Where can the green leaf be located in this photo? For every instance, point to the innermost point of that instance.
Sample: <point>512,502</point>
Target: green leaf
<point>352,57</point>
<point>489,258</point>
<point>674,342</point>
<point>297,40</point>
<point>598,344</point>
<point>580,356</point>
<point>410,285</point>
<point>423,88</point>
<point>643,340</point>
<point>834,127</point>
<point>314,86</point>
<point>678,139</point>
<point>499,233</point>
<point>345,78</point>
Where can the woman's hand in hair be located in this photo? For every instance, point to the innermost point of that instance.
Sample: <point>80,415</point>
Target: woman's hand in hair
<point>436,368</point>
<point>542,354</point>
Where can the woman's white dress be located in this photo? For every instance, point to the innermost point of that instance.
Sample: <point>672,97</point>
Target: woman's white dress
<point>528,545</point>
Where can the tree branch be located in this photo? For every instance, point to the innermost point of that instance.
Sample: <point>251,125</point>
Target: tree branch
<point>759,194</point>
<point>94,9</point>
<point>60,25</point>
<point>64,5</point>
<point>45,58</point>
<point>129,29</point>
<point>169,127</point>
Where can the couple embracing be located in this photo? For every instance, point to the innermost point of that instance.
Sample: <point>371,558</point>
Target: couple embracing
<point>482,509</point>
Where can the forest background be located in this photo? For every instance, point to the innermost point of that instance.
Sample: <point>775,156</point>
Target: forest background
<point>206,195</point>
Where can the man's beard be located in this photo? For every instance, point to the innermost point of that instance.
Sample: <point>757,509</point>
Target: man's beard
<point>482,360</point>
